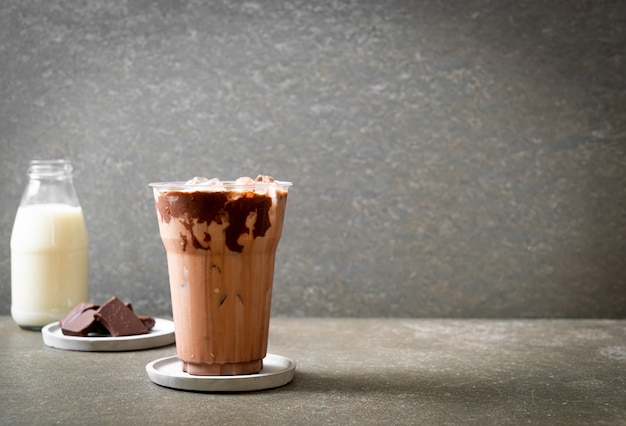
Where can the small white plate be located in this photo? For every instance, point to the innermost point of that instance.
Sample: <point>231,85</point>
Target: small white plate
<point>161,334</point>
<point>277,371</point>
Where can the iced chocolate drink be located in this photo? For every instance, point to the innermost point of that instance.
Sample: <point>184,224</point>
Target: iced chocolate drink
<point>221,239</point>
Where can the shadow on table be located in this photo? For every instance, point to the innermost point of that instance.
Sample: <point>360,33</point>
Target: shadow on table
<point>460,399</point>
<point>496,393</point>
<point>443,385</point>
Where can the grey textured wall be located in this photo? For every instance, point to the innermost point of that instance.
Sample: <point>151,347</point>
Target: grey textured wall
<point>450,158</point>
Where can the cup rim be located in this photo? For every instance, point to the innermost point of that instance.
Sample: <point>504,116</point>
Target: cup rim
<point>225,185</point>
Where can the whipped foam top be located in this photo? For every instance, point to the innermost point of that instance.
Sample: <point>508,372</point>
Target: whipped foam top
<point>244,181</point>
<point>261,185</point>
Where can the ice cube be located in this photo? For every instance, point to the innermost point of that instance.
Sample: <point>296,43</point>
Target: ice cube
<point>264,179</point>
<point>244,180</point>
<point>197,181</point>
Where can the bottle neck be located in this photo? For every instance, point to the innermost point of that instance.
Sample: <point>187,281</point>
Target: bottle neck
<point>50,182</point>
<point>50,169</point>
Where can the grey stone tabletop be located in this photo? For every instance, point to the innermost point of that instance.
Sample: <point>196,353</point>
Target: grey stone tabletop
<point>349,371</point>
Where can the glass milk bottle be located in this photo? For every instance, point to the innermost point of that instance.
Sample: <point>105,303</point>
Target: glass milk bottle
<point>49,256</point>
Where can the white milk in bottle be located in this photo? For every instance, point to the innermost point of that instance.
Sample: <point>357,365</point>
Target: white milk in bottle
<point>49,247</point>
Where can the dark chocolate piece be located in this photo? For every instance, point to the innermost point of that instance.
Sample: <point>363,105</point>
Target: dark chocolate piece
<point>80,320</point>
<point>119,319</point>
<point>147,321</point>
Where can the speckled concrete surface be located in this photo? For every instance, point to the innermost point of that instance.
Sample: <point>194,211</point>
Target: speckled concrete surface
<point>450,158</point>
<point>349,372</point>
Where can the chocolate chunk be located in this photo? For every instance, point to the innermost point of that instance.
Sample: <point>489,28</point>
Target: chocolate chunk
<point>80,321</point>
<point>147,321</point>
<point>119,319</point>
<point>87,318</point>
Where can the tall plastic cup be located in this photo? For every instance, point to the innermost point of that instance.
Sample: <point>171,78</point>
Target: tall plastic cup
<point>221,240</point>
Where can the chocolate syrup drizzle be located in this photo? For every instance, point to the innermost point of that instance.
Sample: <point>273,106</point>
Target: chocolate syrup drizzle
<point>218,207</point>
